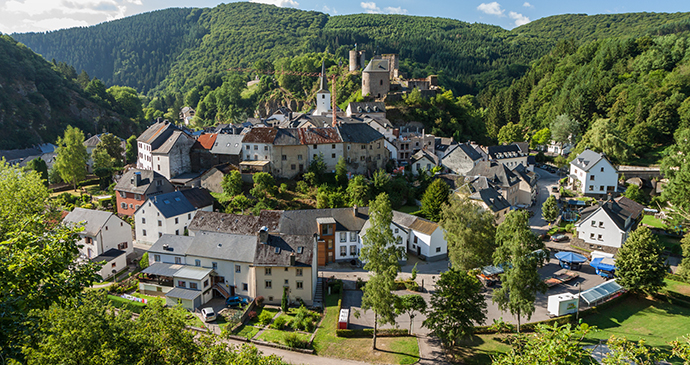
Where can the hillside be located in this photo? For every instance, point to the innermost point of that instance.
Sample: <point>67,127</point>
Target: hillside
<point>37,102</point>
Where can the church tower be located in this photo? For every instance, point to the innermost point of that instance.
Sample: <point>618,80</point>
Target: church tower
<point>323,96</point>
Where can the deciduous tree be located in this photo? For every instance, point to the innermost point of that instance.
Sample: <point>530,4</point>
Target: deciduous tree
<point>565,129</point>
<point>341,172</point>
<point>634,192</point>
<point>557,345</point>
<point>410,304</point>
<point>232,183</point>
<point>22,195</point>
<point>470,233</point>
<point>549,210</point>
<point>510,133</point>
<point>40,166</point>
<point>676,168</point>
<point>433,199</point>
<point>456,305</point>
<point>132,150</point>
<point>358,191</point>
<point>640,265</point>
<point>71,156</point>
<point>521,281</point>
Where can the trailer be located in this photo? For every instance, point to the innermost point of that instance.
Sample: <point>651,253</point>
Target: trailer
<point>604,267</point>
<point>560,277</point>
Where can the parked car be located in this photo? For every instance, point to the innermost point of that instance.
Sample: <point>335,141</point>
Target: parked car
<point>208,314</point>
<point>235,301</point>
<point>558,237</point>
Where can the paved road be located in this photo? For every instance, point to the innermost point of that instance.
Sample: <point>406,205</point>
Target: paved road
<point>544,184</point>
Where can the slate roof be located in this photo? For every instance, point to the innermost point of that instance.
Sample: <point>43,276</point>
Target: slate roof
<point>618,210</point>
<point>260,135</point>
<point>495,201</point>
<point>95,140</point>
<point>227,144</point>
<point>303,222</point>
<point>587,159</point>
<point>377,65</point>
<point>147,177</point>
<point>162,269</point>
<point>170,204</point>
<point>109,255</point>
<point>155,131</point>
<point>287,137</point>
<point>497,174</point>
<point>94,219</point>
<point>198,197</point>
<point>528,177</point>
<point>192,272</point>
<point>507,151</point>
<point>319,135</point>
<point>424,153</point>
<point>177,245</point>
<point>234,247</point>
<point>266,254</point>
<point>367,107</point>
<point>182,293</point>
<point>234,223</point>
<point>11,155</point>
<point>358,133</point>
<point>206,141</point>
<point>413,222</point>
<point>169,143</point>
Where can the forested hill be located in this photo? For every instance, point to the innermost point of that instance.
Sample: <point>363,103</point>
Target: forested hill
<point>175,49</point>
<point>583,27</point>
<point>37,102</point>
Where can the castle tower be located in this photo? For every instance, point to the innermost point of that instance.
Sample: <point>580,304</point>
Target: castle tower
<point>375,78</point>
<point>323,96</point>
<point>356,60</point>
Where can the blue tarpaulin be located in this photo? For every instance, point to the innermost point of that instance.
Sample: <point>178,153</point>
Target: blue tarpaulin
<point>570,257</point>
<point>597,264</point>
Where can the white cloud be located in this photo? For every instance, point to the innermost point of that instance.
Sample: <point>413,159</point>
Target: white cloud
<point>279,3</point>
<point>328,10</point>
<point>492,8</point>
<point>398,10</point>
<point>528,5</point>
<point>370,7</point>
<point>519,18</point>
<point>59,23</point>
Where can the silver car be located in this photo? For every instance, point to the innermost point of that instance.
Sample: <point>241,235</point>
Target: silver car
<point>208,314</point>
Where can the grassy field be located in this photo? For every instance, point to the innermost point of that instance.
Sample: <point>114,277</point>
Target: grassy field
<point>393,350</point>
<point>480,349</point>
<point>650,220</point>
<point>255,321</point>
<point>409,209</point>
<point>123,303</point>
<point>246,331</point>
<point>277,336</point>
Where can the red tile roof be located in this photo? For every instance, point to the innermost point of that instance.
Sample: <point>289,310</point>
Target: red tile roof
<point>207,140</point>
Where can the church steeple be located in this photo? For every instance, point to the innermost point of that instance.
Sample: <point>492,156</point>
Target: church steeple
<point>323,96</point>
<point>324,84</point>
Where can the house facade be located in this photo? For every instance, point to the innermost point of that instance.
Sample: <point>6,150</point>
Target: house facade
<point>152,138</point>
<point>173,157</point>
<point>606,227</point>
<point>136,186</point>
<point>509,155</point>
<point>460,159</point>
<point>423,160</point>
<point>591,173</point>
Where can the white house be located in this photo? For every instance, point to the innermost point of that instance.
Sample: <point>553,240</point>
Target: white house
<point>593,173</point>
<point>169,213</point>
<point>424,160</point>
<point>105,239</point>
<point>152,138</point>
<point>559,148</point>
<point>605,227</point>
<point>425,238</point>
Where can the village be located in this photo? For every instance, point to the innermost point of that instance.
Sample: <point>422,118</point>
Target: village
<point>168,230</point>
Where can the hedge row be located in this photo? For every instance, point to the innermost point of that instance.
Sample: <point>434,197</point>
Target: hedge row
<point>369,333</point>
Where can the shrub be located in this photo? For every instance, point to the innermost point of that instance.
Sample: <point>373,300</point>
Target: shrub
<point>303,187</point>
<point>251,314</point>
<point>293,340</point>
<point>360,283</point>
<point>265,317</point>
<point>144,262</point>
<point>260,300</point>
<point>279,322</point>
<point>335,285</point>
<point>412,285</point>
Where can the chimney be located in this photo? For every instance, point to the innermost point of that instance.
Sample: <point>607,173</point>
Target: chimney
<point>137,179</point>
<point>354,210</point>
<point>263,235</point>
<point>293,259</point>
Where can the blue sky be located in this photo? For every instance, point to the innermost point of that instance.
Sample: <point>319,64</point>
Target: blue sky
<point>44,15</point>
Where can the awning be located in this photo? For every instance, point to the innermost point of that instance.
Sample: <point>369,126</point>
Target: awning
<point>601,292</point>
<point>179,293</point>
<point>491,270</point>
<point>570,257</point>
<point>254,163</point>
<point>162,269</point>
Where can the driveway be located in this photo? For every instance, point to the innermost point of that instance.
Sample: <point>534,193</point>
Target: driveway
<point>544,184</point>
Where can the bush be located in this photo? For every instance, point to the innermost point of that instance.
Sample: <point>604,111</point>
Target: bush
<point>293,340</point>
<point>251,314</point>
<point>260,300</point>
<point>144,262</point>
<point>412,285</point>
<point>265,318</point>
<point>360,283</point>
<point>303,187</point>
<point>335,285</point>
<point>280,322</point>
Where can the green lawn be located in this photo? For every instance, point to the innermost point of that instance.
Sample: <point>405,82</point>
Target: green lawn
<point>480,349</point>
<point>670,243</point>
<point>396,350</point>
<point>650,220</point>
<point>677,288</point>
<point>149,298</point>
<point>122,303</point>
<point>255,321</point>
<point>409,209</point>
<point>277,336</point>
<point>657,322</point>
<point>246,331</point>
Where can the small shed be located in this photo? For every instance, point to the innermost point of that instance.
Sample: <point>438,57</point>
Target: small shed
<point>562,304</point>
<point>343,319</point>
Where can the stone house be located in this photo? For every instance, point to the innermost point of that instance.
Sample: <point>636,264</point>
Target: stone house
<point>364,148</point>
<point>290,156</point>
<point>136,186</point>
<point>423,160</point>
<point>501,178</point>
<point>227,148</point>
<point>172,158</point>
<point>461,159</point>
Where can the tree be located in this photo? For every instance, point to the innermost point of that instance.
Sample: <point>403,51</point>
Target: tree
<point>624,352</point>
<point>381,182</point>
<point>410,304</point>
<point>358,191</point>
<point>557,345</point>
<point>113,146</point>
<point>102,160</point>
<point>684,267</point>
<point>40,166</point>
<point>521,281</point>
<point>381,256</point>
<point>603,136</point>
<point>284,300</point>
<point>132,150</point>
<point>510,133</point>
<point>676,168</point>
<point>634,192</point>
<point>22,195</point>
<point>549,210</point>
<point>540,138</point>
<point>433,199</point>
<point>341,172</point>
<point>263,183</point>
<point>144,262</point>
<point>565,129</point>
<point>126,101</point>
<point>456,305</point>
<point>640,265</point>
<point>318,167</point>
<point>71,156</point>
<point>470,233</point>
<point>232,183</point>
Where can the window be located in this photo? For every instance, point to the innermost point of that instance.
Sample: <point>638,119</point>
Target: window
<point>299,285</point>
<point>268,284</point>
<point>415,239</point>
<point>88,240</point>
<point>283,157</point>
<point>333,146</point>
<point>591,177</point>
<point>270,299</point>
<point>293,167</point>
<point>599,237</point>
<point>353,237</point>
<point>315,156</point>
<point>286,282</point>
<point>143,220</point>
<point>601,187</point>
<point>123,194</point>
<point>343,236</point>
<point>248,148</point>
<point>330,244</point>
<point>256,148</point>
<point>177,220</point>
<point>205,283</point>
<point>602,169</point>
<point>398,239</point>
<point>159,167</point>
<point>363,147</point>
<point>113,264</point>
<point>353,250</point>
<point>591,236</point>
<point>177,232</point>
<point>601,224</point>
<point>178,260</point>
<point>343,251</point>
<point>197,262</point>
<point>160,223</point>
<point>438,249</point>
<point>137,196</point>
<point>361,158</point>
<point>143,232</point>
<point>245,287</point>
<point>238,268</point>
<point>123,205</point>
<point>299,157</point>
<point>314,148</point>
<point>159,183</point>
<point>214,265</point>
<point>181,284</point>
<point>299,272</point>
<point>265,148</point>
<point>286,269</point>
<point>396,230</point>
<point>380,82</point>
<point>594,223</point>
<point>267,271</point>
<point>122,246</point>
<point>332,155</point>
<point>193,286</point>
<point>591,188</point>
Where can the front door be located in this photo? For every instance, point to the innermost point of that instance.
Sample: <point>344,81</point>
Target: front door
<point>419,251</point>
<point>330,256</point>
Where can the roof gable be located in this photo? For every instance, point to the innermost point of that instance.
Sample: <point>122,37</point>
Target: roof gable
<point>94,220</point>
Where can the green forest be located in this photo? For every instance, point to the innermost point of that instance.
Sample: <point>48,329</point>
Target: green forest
<point>624,74</point>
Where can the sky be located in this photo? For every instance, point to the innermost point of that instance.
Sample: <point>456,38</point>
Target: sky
<point>45,15</point>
